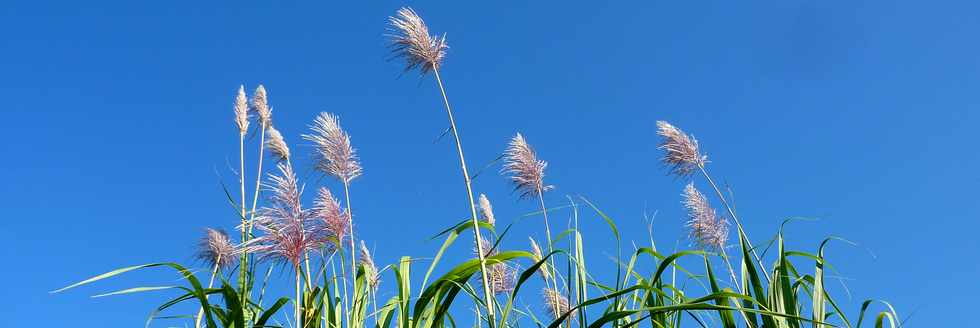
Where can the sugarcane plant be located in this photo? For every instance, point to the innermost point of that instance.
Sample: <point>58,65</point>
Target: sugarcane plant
<point>335,279</point>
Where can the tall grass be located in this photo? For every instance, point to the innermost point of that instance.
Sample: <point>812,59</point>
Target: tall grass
<point>335,281</point>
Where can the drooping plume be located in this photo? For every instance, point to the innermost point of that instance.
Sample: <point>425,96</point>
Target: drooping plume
<point>216,249</point>
<point>501,276</point>
<point>241,110</point>
<point>260,102</point>
<point>682,153</point>
<point>276,144</point>
<point>555,303</point>
<point>288,229</point>
<point>524,168</point>
<point>371,271</point>
<point>706,228</point>
<point>536,250</point>
<point>486,210</point>
<point>334,154</point>
<point>332,219</point>
<point>410,39</point>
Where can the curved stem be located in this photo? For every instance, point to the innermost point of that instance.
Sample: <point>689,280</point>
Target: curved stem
<point>738,223</point>
<point>488,296</point>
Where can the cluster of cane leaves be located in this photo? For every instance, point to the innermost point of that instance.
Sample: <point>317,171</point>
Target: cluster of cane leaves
<point>776,299</point>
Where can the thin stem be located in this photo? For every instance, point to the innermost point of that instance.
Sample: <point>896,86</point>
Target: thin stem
<point>258,179</point>
<point>738,223</point>
<point>547,229</point>
<point>353,257</point>
<point>243,275</point>
<point>214,272</point>
<point>308,278</point>
<point>343,273</point>
<point>299,300</point>
<point>488,296</point>
<point>731,271</point>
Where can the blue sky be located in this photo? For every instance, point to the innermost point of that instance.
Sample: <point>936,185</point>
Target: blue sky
<point>862,115</point>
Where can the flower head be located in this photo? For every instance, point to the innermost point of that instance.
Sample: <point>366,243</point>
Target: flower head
<point>555,303</point>
<point>682,153</point>
<point>217,250</point>
<point>260,102</point>
<point>276,144</point>
<point>706,228</point>
<point>501,275</point>
<point>371,271</point>
<point>335,226</point>
<point>486,210</point>
<point>526,171</point>
<point>289,230</point>
<point>543,269</point>
<point>410,39</point>
<point>241,110</point>
<point>334,154</point>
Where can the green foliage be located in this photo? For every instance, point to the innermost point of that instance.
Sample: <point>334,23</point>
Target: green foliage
<point>650,289</point>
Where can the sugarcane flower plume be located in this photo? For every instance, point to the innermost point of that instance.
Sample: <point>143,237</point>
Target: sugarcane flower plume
<point>335,226</point>
<point>410,39</point>
<point>276,144</point>
<point>556,304</point>
<point>241,110</point>
<point>486,210</point>
<point>682,155</point>
<point>333,152</point>
<point>217,250</point>
<point>536,251</point>
<point>260,103</point>
<point>288,230</point>
<point>706,228</point>
<point>371,270</point>
<point>501,276</point>
<point>524,168</point>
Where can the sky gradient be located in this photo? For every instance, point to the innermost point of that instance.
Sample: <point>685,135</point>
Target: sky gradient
<point>859,115</point>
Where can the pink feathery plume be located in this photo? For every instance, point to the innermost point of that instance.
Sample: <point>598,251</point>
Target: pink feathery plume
<point>501,275</point>
<point>288,230</point>
<point>538,256</point>
<point>260,103</point>
<point>410,39</point>
<point>524,168</point>
<point>486,210</point>
<point>556,304</point>
<point>371,271</point>
<point>706,228</point>
<point>681,151</point>
<point>241,110</point>
<point>216,249</point>
<point>333,151</point>
<point>276,144</point>
<point>333,221</point>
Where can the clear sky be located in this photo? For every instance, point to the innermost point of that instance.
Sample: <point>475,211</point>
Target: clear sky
<point>862,115</point>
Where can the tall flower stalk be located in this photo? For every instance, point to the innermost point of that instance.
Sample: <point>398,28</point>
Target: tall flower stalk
<point>335,156</point>
<point>527,174</point>
<point>410,40</point>
<point>684,158</point>
<point>289,230</point>
<point>260,104</point>
<point>242,121</point>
